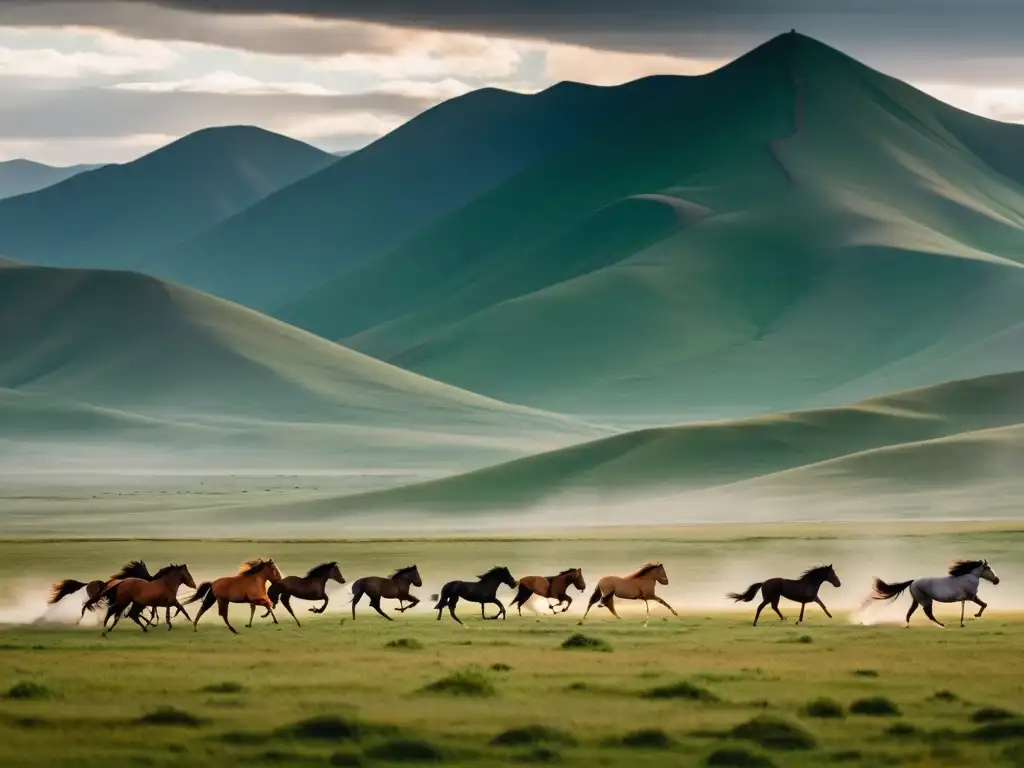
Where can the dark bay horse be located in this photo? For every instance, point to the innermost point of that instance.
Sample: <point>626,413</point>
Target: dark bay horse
<point>482,591</point>
<point>803,590</point>
<point>249,585</point>
<point>552,587</point>
<point>138,594</point>
<point>394,587</point>
<point>136,569</point>
<point>312,586</point>
<point>637,586</point>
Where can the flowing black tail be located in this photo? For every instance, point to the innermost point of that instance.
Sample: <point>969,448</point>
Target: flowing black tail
<point>441,600</point>
<point>62,589</point>
<point>883,591</point>
<point>747,596</point>
<point>201,591</point>
<point>274,592</point>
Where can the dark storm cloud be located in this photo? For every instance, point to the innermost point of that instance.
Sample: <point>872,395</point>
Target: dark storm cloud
<point>111,112</point>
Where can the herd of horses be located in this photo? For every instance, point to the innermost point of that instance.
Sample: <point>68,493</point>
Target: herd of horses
<point>133,590</point>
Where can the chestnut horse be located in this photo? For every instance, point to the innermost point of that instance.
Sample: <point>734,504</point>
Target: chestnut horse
<point>551,587</point>
<point>636,586</point>
<point>395,587</point>
<point>136,569</point>
<point>312,586</point>
<point>160,592</point>
<point>249,585</point>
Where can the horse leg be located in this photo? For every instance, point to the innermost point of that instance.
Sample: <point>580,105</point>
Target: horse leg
<point>501,607</point>
<point>593,599</point>
<point>801,618</point>
<point>222,609</point>
<point>117,618</point>
<point>375,604</point>
<point>775,607</point>
<point>818,601</point>
<point>181,609</point>
<point>270,607</point>
<point>913,607</point>
<point>568,601</point>
<point>647,617</point>
<point>412,602</point>
<point>452,602</point>
<point>208,602</point>
<point>482,611</point>
<point>167,618</point>
<point>287,601</point>
<point>963,607</point>
<point>252,614</point>
<point>135,613</point>
<point>759,609</point>
<point>656,599</point>
<point>983,605</point>
<point>927,606</point>
<point>356,597</point>
<point>154,616</point>
<point>608,601</point>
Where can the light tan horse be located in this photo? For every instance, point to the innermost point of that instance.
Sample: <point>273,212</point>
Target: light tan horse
<point>636,586</point>
<point>249,585</point>
<point>159,592</point>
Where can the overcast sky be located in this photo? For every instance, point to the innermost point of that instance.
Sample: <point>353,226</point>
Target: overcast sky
<point>104,81</point>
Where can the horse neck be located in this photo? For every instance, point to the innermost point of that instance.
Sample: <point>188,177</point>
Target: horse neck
<point>971,579</point>
<point>490,582</point>
<point>814,580</point>
<point>401,582</point>
<point>559,584</point>
<point>172,580</point>
<point>260,578</point>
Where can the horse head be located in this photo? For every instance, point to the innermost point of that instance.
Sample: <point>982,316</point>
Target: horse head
<point>577,581</point>
<point>335,573</point>
<point>659,574</point>
<point>507,579</point>
<point>186,577</point>
<point>416,581</point>
<point>270,571</point>
<point>832,578</point>
<point>987,573</point>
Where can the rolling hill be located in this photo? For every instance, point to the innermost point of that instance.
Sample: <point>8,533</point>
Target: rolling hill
<point>117,215</point>
<point>19,177</point>
<point>119,357</point>
<point>793,230</point>
<point>971,428</point>
<point>373,199</point>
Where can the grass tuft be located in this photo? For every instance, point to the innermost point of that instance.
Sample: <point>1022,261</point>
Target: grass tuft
<point>737,757</point>
<point>325,728</point>
<point>225,687</point>
<point>865,673</point>
<point>773,733</point>
<point>875,706</point>
<point>1004,730</point>
<point>406,751</point>
<point>464,683</point>
<point>499,667</point>
<point>28,690</point>
<point>945,695</point>
<point>682,690</point>
<point>532,735</point>
<point>170,716</point>
<point>901,730</point>
<point>539,755</point>
<point>823,708</point>
<point>646,738</point>
<point>992,715</point>
<point>405,644</point>
<point>349,759</point>
<point>579,641</point>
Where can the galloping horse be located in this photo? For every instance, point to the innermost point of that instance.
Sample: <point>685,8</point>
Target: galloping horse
<point>312,586</point>
<point>249,585</point>
<point>395,587</point>
<point>551,587</point>
<point>136,569</point>
<point>636,586</point>
<point>960,586</point>
<point>482,591</point>
<point>803,590</point>
<point>161,591</point>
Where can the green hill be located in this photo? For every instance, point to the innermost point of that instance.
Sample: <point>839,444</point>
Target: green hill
<point>373,199</point>
<point>117,356</point>
<point>19,177</point>
<point>117,215</point>
<point>793,230</point>
<point>891,437</point>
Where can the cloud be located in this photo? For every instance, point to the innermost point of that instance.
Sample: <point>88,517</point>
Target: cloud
<point>226,83</point>
<point>112,56</point>
<point>1006,104</point>
<point>574,62</point>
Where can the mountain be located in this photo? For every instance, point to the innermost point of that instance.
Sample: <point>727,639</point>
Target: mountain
<point>19,177</point>
<point>893,438</point>
<point>793,230</point>
<point>116,215</point>
<point>373,199</point>
<point>118,357</point>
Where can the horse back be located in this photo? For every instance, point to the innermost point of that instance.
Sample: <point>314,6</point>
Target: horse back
<point>539,585</point>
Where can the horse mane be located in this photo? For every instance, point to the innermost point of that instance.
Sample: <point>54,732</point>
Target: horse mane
<point>644,571</point>
<point>403,571</point>
<point>964,567</point>
<point>566,572</point>
<point>165,570</point>
<point>818,570</point>
<point>320,570</point>
<point>249,567</point>
<point>129,568</point>
<point>493,572</point>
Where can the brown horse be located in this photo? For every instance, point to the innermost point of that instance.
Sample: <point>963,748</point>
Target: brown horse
<point>160,592</point>
<point>636,586</point>
<point>551,587</point>
<point>803,590</point>
<point>249,585</point>
<point>312,586</point>
<point>136,569</point>
<point>394,587</point>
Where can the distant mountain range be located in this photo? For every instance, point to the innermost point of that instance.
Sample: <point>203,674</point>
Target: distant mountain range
<point>119,215</point>
<point>676,284</point>
<point>19,177</point>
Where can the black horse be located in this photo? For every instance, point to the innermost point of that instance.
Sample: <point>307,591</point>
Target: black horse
<point>481,591</point>
<point>803,590</point>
